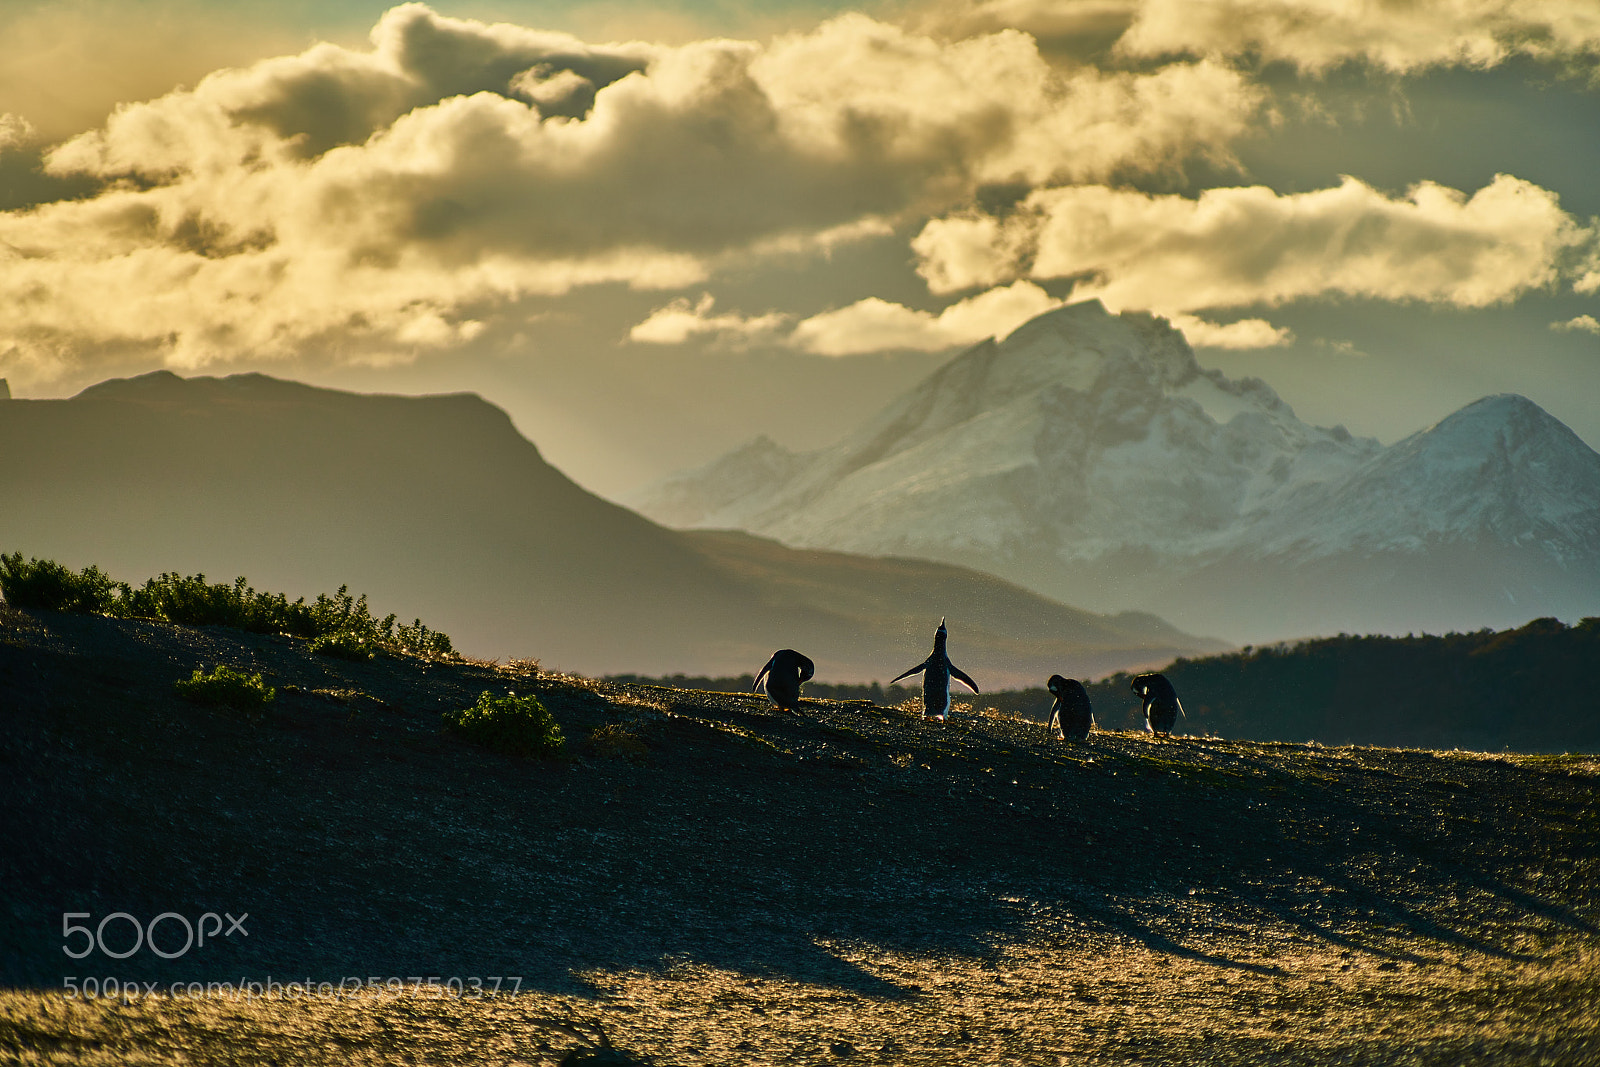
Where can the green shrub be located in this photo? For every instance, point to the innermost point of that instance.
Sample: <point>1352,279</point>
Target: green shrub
<point>49,586</point>
<point>192,601</point>
<point>344,645</point>
<point>512,725</point>
<point>226,687</point>
<point>341,622</point>
<point>421,641</point>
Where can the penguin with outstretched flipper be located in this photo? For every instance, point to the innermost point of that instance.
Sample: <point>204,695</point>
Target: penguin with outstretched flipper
<point>785,672</point>
<point>1161,704</point>
<point>1070,714</point>
<point>936,671</point>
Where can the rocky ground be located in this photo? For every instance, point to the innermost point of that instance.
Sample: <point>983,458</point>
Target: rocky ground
<point>714,882</point>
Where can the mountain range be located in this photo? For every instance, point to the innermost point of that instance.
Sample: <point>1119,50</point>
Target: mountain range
<point>436,507</point>
<point>1089,456</point>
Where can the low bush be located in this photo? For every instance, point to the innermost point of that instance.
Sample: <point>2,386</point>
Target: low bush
<point>190,600</point>
<point>421,641</point>
<point>511,725</point>
<point>193,601</point>
<point>343,645</point>
<point>226,687</point>
<point>48,586</point>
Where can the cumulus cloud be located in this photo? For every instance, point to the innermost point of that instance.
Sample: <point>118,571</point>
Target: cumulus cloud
<point>381,200</point>
<point>973,250</point>
<point>1245,333</point>
<point>869,325</point>
<point>1232,247</point>
<point>874,325</point>
<point>1401,36</point>
<point>1398,35</point>
<point>14,130</point>
<point>680,321</point>
<point>1586,323</point>
<point>1586,275</point>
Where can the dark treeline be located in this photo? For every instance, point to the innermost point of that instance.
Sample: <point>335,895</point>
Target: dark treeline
<point>1532,689</point>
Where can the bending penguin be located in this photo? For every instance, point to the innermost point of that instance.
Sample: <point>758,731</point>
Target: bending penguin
<point>936,672</point>
<point>1161,704</point>
<point>785,672</point>
<point>1070,714</point>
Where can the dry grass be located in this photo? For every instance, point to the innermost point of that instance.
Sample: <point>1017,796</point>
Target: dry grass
<point>614,741</point>
<point>1051,996</point>
<point>847,884</point>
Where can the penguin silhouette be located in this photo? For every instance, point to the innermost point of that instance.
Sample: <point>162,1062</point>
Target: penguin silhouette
<point>1161,704</point>
<point>936,672</point>
<point>784,673</point>
<point>1070,713</point>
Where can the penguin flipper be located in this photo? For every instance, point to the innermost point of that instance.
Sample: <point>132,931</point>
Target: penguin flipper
<point>961,675</point>
<point>757,684</point>
<point>918,669</point>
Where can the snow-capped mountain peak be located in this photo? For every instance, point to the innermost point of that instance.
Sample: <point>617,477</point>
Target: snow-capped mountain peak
<point>1501,469</point>
<point>1090,456</point>
<point>1083,430</point>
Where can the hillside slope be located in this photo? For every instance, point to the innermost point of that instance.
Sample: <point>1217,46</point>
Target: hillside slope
<point>438,507</point>
<point>719,883</point>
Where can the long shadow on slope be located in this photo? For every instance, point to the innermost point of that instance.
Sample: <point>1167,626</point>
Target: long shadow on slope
<point>1417,870</point>
<point>367,846</point>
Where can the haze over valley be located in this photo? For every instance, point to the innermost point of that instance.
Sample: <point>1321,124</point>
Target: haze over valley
<point>1091,457</point>
<point>436,506</point>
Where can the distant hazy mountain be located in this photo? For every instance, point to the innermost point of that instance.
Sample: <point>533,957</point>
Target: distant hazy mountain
<point>1089,456</point>
<point>436,507</point>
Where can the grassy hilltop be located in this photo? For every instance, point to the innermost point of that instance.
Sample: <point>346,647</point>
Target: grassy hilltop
<point>715,882</point>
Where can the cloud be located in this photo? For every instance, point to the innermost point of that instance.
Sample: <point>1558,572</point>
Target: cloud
<point>1402,36</point>
<point>1587,273</point>
<point>1056,21</point>
<point>1245,333</point>
<point>874,325</point>
<point>1586,323</point>
<point>14,131</point>
<point>1234,247</point>
<point>870,325</point>
<point>972,250</point>
<point>679,321</point>
<point>1397,35</point>
<point>339,199</point>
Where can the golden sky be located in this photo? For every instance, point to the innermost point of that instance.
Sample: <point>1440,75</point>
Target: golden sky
<point>651,231</point>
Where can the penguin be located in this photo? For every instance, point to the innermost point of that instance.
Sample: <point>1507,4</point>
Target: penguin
<point>785,672</point>
<point>1070,715</point>
<point>1161,704</point>
<point>936,672</point>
